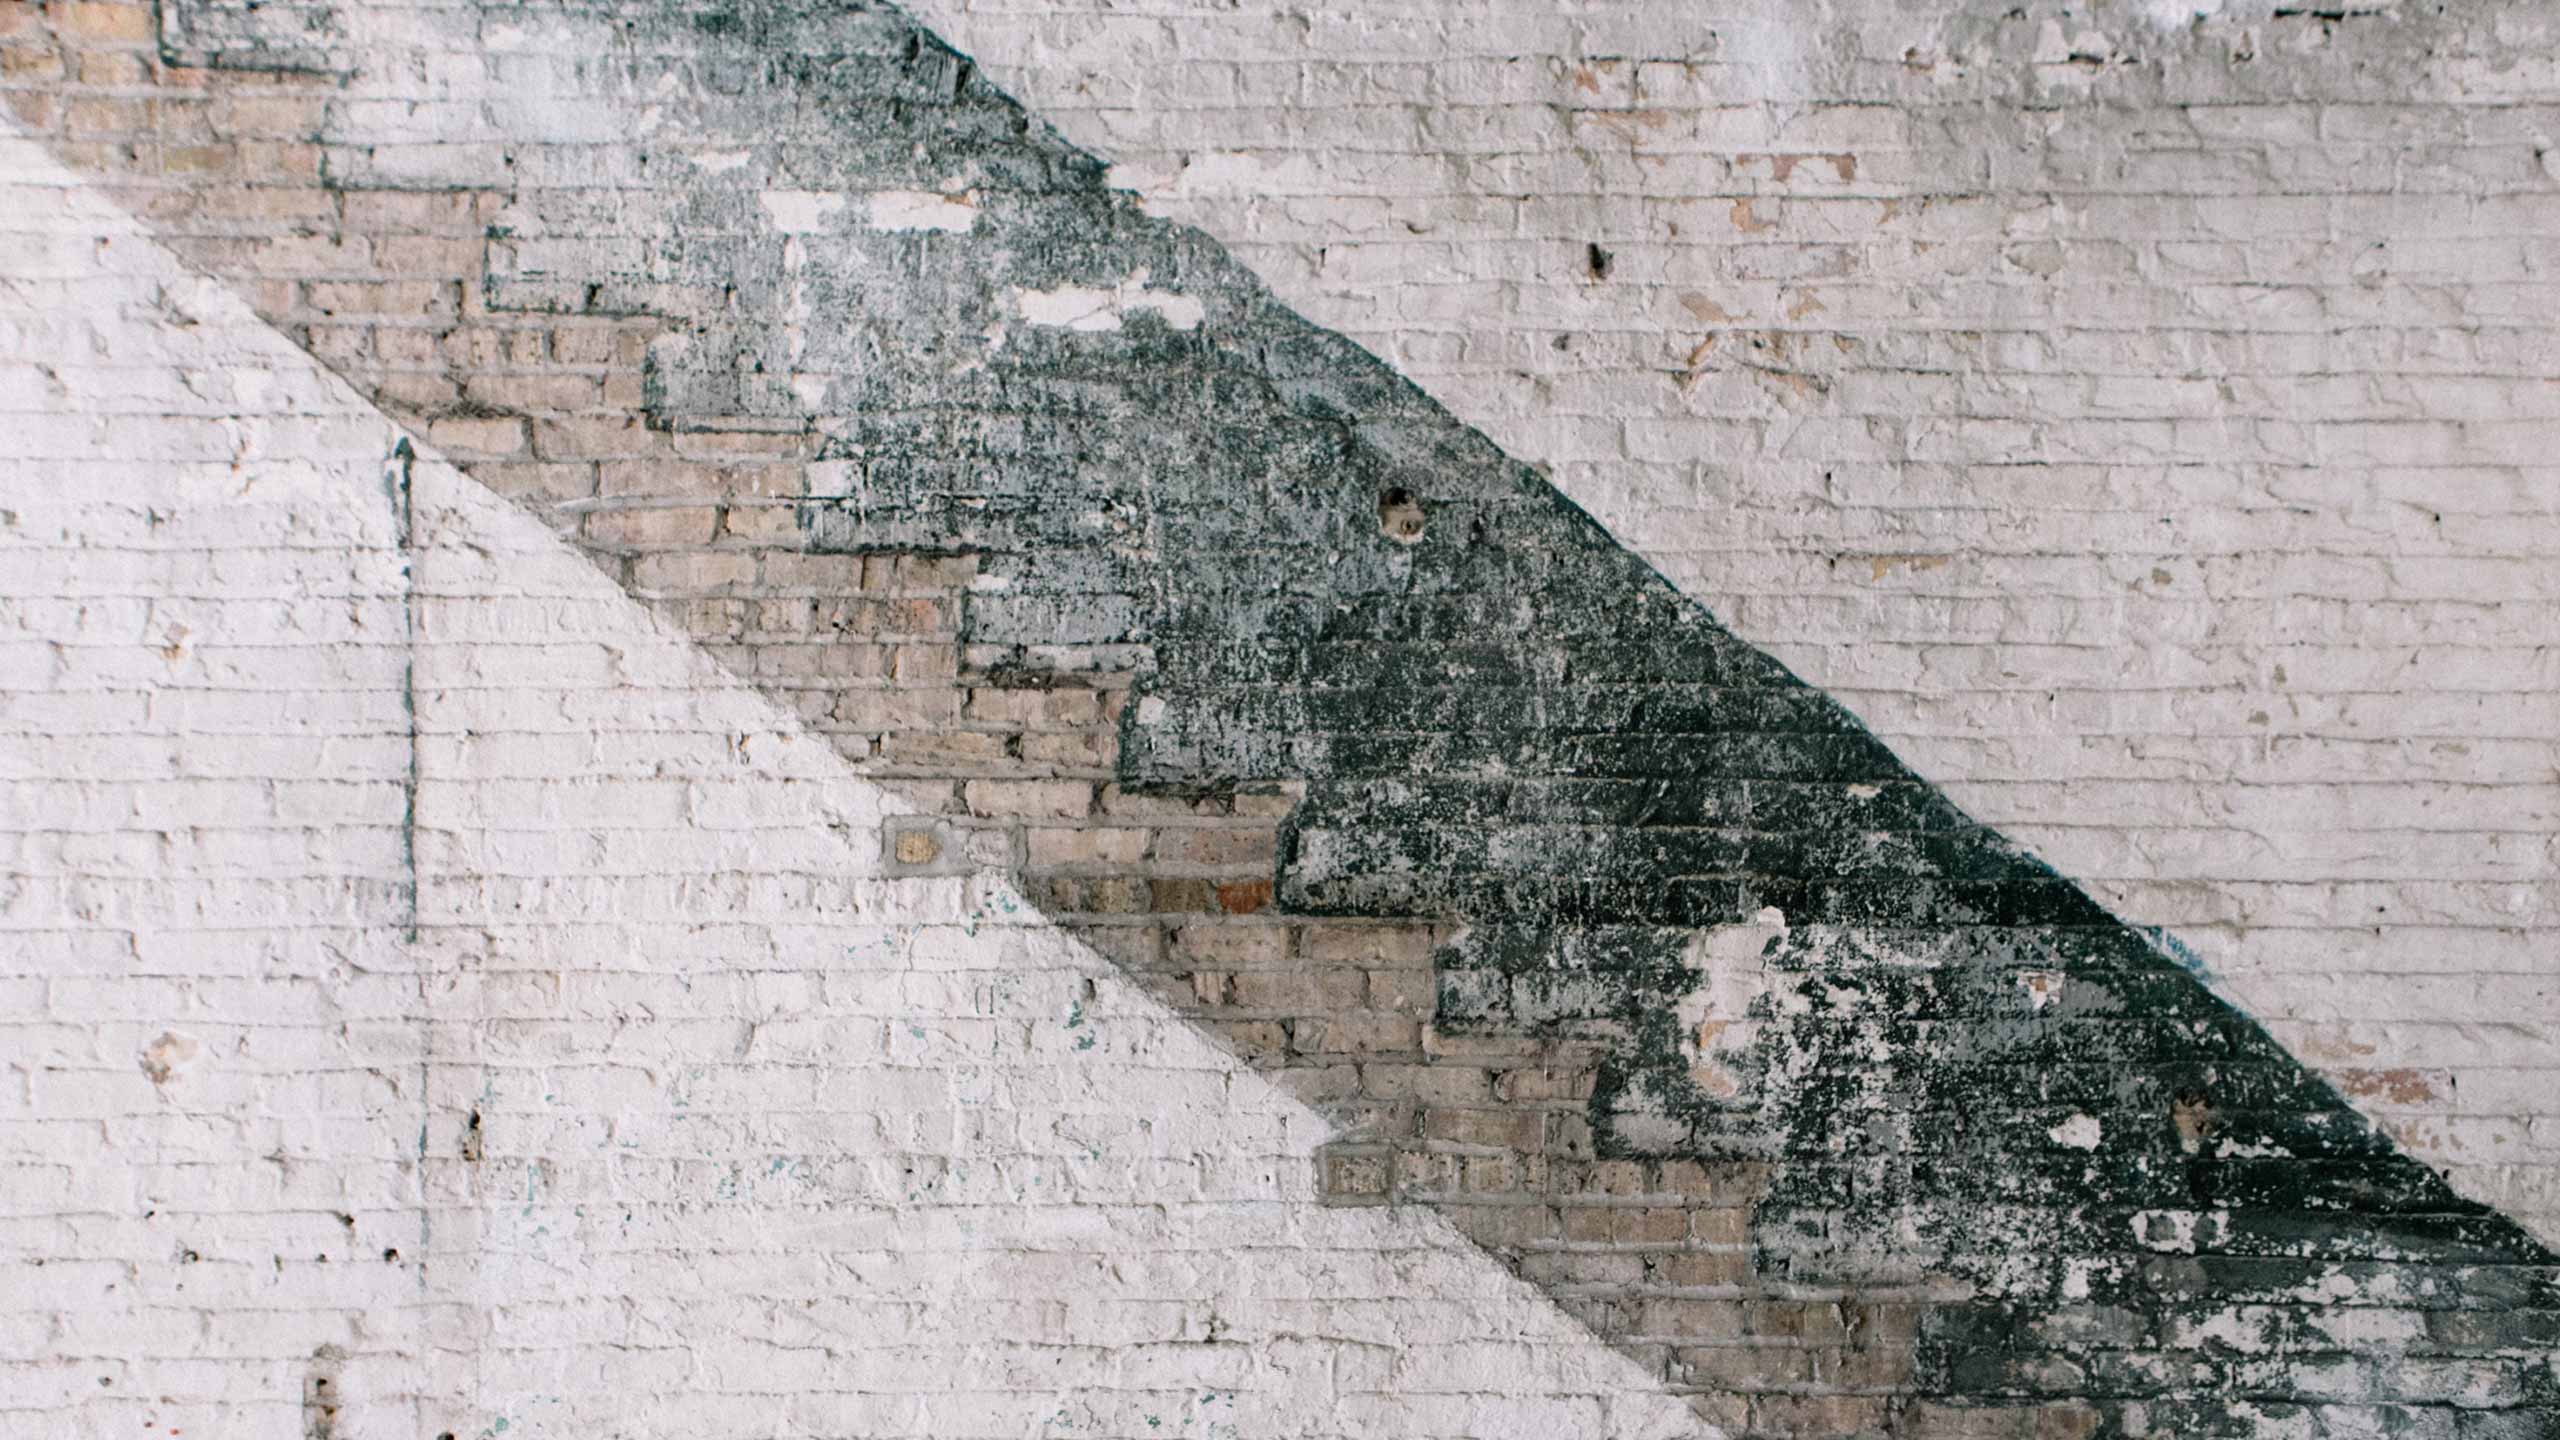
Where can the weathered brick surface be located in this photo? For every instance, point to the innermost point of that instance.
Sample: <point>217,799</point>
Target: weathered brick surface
<point>1586,924</point>
<point>2138,414</point>
<point>533,1044</point>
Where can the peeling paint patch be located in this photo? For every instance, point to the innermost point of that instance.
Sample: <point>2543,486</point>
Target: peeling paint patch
<point>923,210</point>
<point>2402,1086</point>
<point>1717,1028</point>
<point>2043,987</point>
<point>2178,14</point>
<point>168,1057</point>
<point>801,212</point>
<point>2194,1119</point>
<point>2080,1132</point>
<point>1086,308</point>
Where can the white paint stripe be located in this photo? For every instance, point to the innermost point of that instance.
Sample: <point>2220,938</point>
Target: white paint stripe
<point>761,1134</point>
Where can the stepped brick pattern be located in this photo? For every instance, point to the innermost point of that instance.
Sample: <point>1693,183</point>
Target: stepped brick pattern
<point>1093,604</point>
<point>459,1007</point>
<point>2137,414</point>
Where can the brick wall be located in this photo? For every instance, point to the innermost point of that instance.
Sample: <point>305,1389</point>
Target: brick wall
<point>2138,414</point>
<point>572,1068</point>
<point>214,1035</point>
<point>1590,933</point>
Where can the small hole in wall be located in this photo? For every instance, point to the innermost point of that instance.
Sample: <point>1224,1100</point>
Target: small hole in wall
<point>1399,514</point>
<point>2194,1117</point>
<point>1598,259</point>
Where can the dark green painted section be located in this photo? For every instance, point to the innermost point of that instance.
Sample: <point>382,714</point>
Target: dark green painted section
<point>1514,722</point>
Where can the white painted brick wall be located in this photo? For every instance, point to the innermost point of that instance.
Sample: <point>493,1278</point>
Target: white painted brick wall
<point>2157,446</point>
<point>211,1041</point>
<point>674,1118</point>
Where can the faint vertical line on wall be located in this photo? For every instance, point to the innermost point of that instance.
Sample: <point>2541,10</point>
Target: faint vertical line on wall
<point>396,486</point>
<point>399,491</point>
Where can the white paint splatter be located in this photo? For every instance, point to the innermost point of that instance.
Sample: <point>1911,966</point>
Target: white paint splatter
<point>2080,1132</point>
